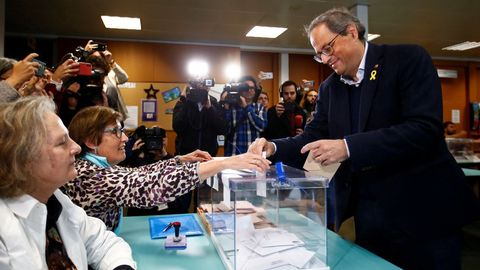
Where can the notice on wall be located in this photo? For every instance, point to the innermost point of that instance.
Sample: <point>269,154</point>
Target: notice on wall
<point>149,110</point>
<point>456,116</point>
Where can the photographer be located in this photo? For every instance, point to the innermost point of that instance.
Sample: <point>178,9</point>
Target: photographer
<point>114,77</point>
<point>245,117</point>
<point>146,146</point>
<point>198,120</point>
<point>84,88</point>
<point>287,118</point>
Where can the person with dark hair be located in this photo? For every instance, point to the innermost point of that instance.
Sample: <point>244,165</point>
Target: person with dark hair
<point>287,118</point>
<point>451,132</point>
<point>380,116</point>
<point>308,103</point>
<point>197,119</point>
<point>263,99</point>
<point>197,123</point>
<point>138,153</point>
<point>103,188</point>
<point>41,228</point>
<point>245,120</point>
<point>115,76</point>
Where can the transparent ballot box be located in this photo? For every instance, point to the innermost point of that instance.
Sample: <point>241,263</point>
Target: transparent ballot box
<point>462,149</point>
<point>275,220</point>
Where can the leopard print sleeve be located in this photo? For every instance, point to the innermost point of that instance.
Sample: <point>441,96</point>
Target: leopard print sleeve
<point>103,191</point>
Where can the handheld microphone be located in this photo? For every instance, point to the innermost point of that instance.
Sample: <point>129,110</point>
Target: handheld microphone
<point>298,121</point>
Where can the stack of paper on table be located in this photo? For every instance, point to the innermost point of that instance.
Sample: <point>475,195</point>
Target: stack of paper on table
<point>242,208</point>
<point>271,248</point>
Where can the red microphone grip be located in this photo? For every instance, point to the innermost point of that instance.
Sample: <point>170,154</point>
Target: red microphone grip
<point>298,121</point>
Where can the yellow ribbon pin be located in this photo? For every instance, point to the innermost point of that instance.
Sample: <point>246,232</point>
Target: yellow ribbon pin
<point>372,75</point>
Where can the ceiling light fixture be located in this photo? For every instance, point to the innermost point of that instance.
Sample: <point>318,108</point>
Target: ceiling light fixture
<point>467,45</point>
<point>116,22</point>
<point>266,31</point>
<point>372,37</point>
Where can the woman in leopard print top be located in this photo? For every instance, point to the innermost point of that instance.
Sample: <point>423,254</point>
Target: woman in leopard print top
<point>102,188</point>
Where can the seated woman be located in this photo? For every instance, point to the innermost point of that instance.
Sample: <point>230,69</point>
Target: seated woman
<point>102,188</point>
<point>41,228</point>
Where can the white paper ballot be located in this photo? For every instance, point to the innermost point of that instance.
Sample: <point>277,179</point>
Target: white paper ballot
<point>261,188</point>
<point>226,188</point>
<point>215,182</point>
<point>297,257</point>
<point>264,263</point>
<point>209,181</point>
<point>314,167</point>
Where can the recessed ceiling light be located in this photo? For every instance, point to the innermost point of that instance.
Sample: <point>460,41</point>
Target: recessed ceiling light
<point>266,31</point>
<point>116,22</point>
<point>372,36</point>
<point>463,46</point>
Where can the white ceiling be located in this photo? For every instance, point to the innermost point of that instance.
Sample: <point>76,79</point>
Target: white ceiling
<point>431,24</point>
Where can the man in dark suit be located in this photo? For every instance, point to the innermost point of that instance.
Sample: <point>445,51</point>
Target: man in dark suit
<point>380,115</point>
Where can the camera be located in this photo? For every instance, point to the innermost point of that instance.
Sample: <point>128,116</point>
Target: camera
<point>41,69</point>
<point>197,90</point>
<point>84,69</point>
<point>79,55</point>
<point>101,47</point>
<point>202,83</point>
<point>197,95</point>
<point>152,137</point>
<point>233,92</point>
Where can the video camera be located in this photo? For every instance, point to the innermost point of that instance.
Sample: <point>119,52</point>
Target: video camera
<point>233,92</point>
<point>152,137</point>
<point>82,54</point>
<point>197,90</point>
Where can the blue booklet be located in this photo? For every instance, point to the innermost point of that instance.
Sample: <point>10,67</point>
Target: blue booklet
<point>189,225</point>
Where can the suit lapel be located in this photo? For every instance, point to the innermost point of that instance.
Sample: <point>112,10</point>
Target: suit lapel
<point>373,73</point>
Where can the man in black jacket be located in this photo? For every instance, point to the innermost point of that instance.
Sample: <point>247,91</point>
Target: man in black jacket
<point>197,120</point>
<point>286,118</point>
<point>380,115</point>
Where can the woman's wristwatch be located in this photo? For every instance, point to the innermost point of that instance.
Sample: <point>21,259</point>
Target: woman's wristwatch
<point>178,160</point>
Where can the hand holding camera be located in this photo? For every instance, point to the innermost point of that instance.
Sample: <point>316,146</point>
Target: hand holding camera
<point>197,91</point>
<point>67,69</point>
<point>95,46</point>
<point>138,144</point>
<point>23,70</point>
<point>233,94</point>
<point>279,109</point>
<point>149,138</point>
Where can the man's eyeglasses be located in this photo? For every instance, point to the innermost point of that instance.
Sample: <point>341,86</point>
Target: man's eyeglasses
<point>327,50</point>
<point>117,131</point>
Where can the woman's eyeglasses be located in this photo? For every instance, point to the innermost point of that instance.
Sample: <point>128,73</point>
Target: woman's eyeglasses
<point>117,131</point>
<point>327,50</point>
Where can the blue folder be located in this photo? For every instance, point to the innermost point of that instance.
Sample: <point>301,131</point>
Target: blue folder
<point>189,225</point>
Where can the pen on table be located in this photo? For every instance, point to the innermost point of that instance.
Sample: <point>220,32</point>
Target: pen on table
<point>169,225</point>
